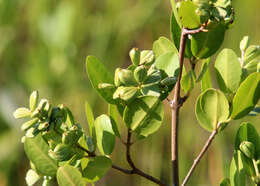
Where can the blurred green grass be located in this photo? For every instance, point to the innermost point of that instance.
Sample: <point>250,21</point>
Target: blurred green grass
<point>43,46</point>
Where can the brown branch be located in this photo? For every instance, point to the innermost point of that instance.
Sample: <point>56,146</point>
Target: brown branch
<point>177,103</point>
<point>202,152</point>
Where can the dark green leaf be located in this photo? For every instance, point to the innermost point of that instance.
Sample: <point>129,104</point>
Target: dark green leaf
<point>246,96</point>
<point>205,44</point>
<point>237,171</point>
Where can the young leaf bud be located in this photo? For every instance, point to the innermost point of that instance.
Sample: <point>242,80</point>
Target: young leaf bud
<point>33,100</point>
<point>29,124</point>
<point>126,77</point>
<point>248,149</point>
<point>21,113</point>
<point>62,152</point>
<point>147,57</point>
<point>116,77</point>
<point>169,81</point>
<point>125,93</point>
<point>43,126</point>
<point>106,86</point>
<point>140,74</point>
<point>135,56</point>
<point>252,66</point>
<point>244,43</point>
<point>31,177</point>
<point>252,52</point>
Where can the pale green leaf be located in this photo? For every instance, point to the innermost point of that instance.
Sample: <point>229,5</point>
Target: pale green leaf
<point>104,134</point>
<point>22,112</point>
<point>144,115</point>
<point>228,70</point>
<point>69,176</point>
<point>162,46</point>
<point>90,117</point>
<point>37,151</point>
<point>212,108</point>
<point>168,62</point>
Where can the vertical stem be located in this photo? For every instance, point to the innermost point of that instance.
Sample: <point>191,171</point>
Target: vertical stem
<point>175,114</point>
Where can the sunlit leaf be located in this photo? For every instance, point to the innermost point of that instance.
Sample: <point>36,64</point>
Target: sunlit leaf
<point>69,176</point>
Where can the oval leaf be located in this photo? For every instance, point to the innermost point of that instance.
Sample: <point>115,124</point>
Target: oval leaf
<point>212,108</point>
<point>97,73</point>
<point>69,176</point>
<point>247,132</point>
<point>246,96</point>
<point>188,16</point>
<point>96,168</point>
<point>228,70</point>
<point>205,44</point>
<point>37,151</point>
<point>162,46</point>
<point>104,134</point>
<point>168,62</point>
<point>144,115</point>
<point>90,117</point>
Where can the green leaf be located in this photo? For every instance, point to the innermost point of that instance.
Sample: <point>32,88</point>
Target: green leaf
<point>90,117</point>
<point>96,168</point>
<point>31,177</point>
<point>225,182</point>
<point>212,108</point>
<point>169,62</point>
<point>37,151</point>
<point>104,134</point>
<point>204,68</point>
<point>246,96</point>
<point>237,171</point>
<point>175,31</point>
<point>69,117</point>
<point>247,132</point>
<point>97,73</point>
<point>188,81</point>
<point>228,70</point>
<point>21,112</point>
<point>144,115</point>
<point>113,114</point>
<point>206,82</point>
<point>69,176</point>
<point>162,46</point>
<point>175,13</point>
<point>205,44</point>
<point>33,100</point>
<point>188,16</point>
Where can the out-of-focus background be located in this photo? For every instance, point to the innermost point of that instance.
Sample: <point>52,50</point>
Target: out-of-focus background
<point>43,46</point>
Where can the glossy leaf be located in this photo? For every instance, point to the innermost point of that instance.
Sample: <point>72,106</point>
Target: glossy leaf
<point>97,73</point>
<point>246,96</point>
<point>188,81</point>
<point>247,132</point>
<point>69,176</point>
<point>169,63</point>
<point>212,108</point>
<point>188,16</point>
<point>96,168</point>
<point>37,151</point>
<point>144,115</point>
<point>205,44</point>
<point>104,134</point>
<point>90,117</point>
<point>228,70</point>
<point>162,46</point>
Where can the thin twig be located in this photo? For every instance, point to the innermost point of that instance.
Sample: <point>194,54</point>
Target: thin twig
<point>135,170</point>
<point>202,152</point>
<point>126,171</point>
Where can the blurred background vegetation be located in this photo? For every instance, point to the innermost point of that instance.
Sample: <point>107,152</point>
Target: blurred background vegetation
<point>43,46</point>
